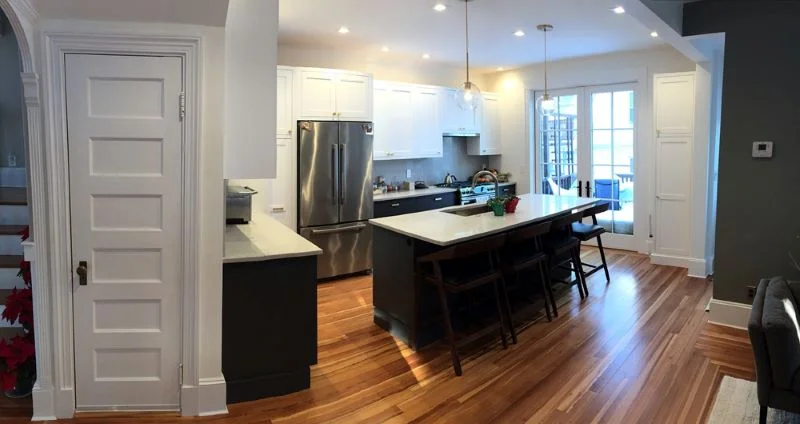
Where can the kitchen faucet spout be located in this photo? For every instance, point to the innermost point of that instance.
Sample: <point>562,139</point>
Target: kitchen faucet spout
<point>489,174</point>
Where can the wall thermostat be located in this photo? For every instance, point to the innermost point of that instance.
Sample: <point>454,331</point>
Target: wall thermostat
<point>762,149</point>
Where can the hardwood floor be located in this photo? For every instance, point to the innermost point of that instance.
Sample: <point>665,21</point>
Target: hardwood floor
<point>637,351</point>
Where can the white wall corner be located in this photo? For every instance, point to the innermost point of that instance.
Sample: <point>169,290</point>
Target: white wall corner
<point>208,398</point>
<point>729,314</point>
<point>697,268</point>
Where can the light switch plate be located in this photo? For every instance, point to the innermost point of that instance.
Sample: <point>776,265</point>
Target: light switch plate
<point>762,149</point>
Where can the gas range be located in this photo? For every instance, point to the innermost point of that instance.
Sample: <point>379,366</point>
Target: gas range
<point>467,194</point>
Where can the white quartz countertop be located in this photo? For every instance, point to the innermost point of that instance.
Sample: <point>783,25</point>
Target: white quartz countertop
<point>444,229</point>
<point>430,191</point>
<point>263,239</point>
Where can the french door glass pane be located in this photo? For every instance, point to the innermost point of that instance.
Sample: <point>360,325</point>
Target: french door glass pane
<point>558,140</point>
<point>612,141</point>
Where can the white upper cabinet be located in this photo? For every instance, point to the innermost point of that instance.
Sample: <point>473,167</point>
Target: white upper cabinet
<point>407,121</point>
<point>457,120</point>
<point>284,122</point>
<point>333,95</point>
<point>488,143</point>
<point>427,117</point>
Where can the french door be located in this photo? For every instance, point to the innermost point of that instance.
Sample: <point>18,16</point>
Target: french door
<point>587,148</point>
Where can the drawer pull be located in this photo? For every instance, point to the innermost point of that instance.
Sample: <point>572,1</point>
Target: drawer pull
<point>394,205</point>
<point>436,199</point>
<point>279,209</point>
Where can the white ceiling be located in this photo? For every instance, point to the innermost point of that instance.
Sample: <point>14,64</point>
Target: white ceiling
<point>195,12</point>
<point>412,27</point>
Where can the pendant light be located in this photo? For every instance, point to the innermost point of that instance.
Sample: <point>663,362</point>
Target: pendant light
<point>545,104</point>
<point>468,95</point>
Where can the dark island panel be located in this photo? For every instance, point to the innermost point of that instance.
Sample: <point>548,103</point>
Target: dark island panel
<point>269,327</point>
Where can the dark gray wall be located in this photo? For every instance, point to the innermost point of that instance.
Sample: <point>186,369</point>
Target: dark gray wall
<point>12,136</point>
<point>758,218</point>
<point>670,11</point>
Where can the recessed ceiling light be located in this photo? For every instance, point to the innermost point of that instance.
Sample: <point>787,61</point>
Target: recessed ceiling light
<point>519,33</point>
<point>426,56</point>
<point>500,68</point>
<point>618,10</point>
<point>654,34</point>
<point>385,49</point>
<point>440,7</point>
<point>344,30</point>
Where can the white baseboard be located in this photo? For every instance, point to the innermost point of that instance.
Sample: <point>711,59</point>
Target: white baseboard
<point>697,268</point>
<point>668,260</point>
<point>44,407</point>
<point>730,314</point>
<point>65,403</point>
<point>208,398</point>
<point>13,177</point>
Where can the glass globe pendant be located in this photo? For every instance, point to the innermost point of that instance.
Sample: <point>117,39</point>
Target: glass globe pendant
<point>468,96</point>
<point>545,104</point>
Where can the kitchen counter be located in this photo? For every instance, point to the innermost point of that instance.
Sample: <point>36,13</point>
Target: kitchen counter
<point>431,190</point>
<point>264,238</point>
<point>444,229</point>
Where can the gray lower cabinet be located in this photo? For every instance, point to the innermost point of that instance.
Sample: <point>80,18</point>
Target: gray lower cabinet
<point>508,190</point>
<point>414,204</point>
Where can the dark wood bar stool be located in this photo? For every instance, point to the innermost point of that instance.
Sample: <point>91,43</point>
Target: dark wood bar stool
<point>524,251</point>
<point>459,269</point>
<point>564,249</point>
<point>586,232</point>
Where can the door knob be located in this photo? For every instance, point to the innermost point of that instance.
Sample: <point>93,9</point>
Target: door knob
<point>82,272</point>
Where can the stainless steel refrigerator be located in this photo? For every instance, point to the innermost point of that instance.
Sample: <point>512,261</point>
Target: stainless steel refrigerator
<point>335,193</point>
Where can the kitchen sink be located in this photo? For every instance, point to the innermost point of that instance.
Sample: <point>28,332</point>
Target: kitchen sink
<point>473,210</point>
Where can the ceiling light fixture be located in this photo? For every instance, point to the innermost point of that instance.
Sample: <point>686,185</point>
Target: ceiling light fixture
<point>500,68</point>
<point>426,56</point>
<point>344,30</point>
<point>618,10</point>
<point>654,34</point>
<point>469,95</point>
<point>519,33</point>
<point>545,104</point>
<point>440,7</point>
<point>385,49</point>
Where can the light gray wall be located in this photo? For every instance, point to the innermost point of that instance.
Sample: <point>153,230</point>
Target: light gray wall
<point>758,199</point>
<point>454,161</point>
<point>12,135</point>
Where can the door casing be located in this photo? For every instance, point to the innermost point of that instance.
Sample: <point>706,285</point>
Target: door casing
<point>61,350</point>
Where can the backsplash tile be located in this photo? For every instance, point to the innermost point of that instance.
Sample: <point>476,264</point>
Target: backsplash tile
<point>433,170</point>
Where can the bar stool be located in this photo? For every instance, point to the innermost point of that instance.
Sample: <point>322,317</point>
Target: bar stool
<point>586,232</point>
<point>459,269</point>
<point>524,251</point>
<point>563,248</point>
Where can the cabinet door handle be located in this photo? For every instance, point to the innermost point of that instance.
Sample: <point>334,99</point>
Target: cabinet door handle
<point>394,205</point>
<point>436,199</point>
<point>278,209</point>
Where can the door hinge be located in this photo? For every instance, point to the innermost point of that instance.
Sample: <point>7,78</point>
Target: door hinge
<point>180,376</point>
<point>181,105</point>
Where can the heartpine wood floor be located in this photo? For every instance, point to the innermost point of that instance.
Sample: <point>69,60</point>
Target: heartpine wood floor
<point>637,351</point>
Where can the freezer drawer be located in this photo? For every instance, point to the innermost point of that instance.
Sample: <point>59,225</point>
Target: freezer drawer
<point>346,248</point>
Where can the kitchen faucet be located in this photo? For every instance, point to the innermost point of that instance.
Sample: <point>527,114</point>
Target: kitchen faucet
<point>494,177</point>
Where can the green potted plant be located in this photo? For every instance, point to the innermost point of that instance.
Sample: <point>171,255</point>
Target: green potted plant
<point>497,205</point>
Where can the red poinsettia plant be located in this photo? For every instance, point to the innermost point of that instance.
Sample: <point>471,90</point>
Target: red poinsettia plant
<point>18,355</point>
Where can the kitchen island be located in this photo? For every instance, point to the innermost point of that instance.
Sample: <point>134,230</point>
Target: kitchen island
<point>405,310</point>
<point>269,310</point>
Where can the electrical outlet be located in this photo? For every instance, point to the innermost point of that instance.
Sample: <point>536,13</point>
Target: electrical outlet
<point>408,173</point>
<point>751,292</point>
<point>12,160</point>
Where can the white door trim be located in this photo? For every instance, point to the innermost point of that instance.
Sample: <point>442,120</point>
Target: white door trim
<point>57,45</point>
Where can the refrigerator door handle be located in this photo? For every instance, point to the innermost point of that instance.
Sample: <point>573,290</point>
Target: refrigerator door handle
<point>357,227</point>
<point>343,166</point>
<point>335,172</point>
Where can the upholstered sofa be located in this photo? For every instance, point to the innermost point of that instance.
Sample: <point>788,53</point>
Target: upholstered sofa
<point>774,329</point>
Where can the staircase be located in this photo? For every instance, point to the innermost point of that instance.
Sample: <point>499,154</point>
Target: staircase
<point>13,219</point>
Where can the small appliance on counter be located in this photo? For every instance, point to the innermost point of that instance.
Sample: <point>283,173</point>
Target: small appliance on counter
<point>450,179</point>
<point>420,185</point>
<point>408,186</point>
<point>239,204</point>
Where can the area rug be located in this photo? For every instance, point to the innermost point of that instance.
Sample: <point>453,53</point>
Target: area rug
<point>737,403</point>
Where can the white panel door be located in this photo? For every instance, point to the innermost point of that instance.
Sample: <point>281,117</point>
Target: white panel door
<point>383,136</point>
<point>284,125</point>
<point>427,122</point>
<point>402,125</point>
<point>674,119</point>
<point>489,141</point>
<point>317,95</point>
<point>354,97</point>
<point>125,159</point>
<point>282,190</point>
